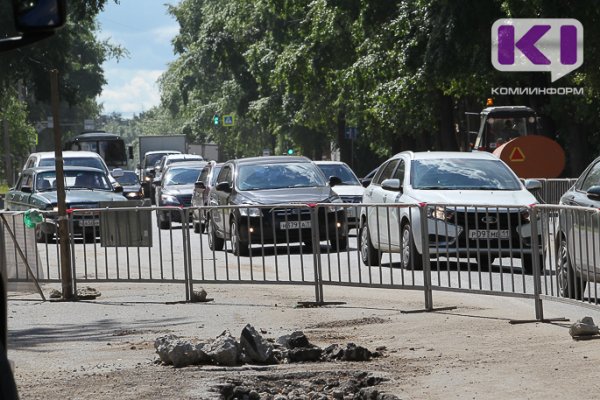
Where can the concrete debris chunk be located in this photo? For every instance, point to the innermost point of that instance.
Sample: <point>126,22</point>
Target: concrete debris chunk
<point>255,346</point>
<point>199,296</point>
<point>224,350</point>
<point>584,327</point>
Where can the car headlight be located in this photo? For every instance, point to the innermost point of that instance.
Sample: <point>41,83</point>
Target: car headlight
<point>147,179</point>
<point>132,194</point>
<point>169,199</point>
<point>250,212</point>
<point>439,212</point>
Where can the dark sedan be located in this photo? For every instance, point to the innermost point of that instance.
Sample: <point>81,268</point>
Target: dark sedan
<point>261,181</point>
<point>84,188</point>
<point>205,183</point>
<point>132,188</point>
<point>175,190</point>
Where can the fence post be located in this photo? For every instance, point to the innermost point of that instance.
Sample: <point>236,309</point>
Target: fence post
<point>535,264</point>
<point>71,238</point>
<point>185,230</point>
<point>188,250</point>
<point>426,260</point>
<point>316,249</point>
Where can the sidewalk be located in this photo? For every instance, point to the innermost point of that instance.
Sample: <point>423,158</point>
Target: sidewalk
<point>104,347</point>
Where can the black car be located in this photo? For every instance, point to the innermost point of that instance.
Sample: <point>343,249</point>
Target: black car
<point>175,189</point>
<point>256,182</point>
<point>578,261</point>
<point>132,188</point>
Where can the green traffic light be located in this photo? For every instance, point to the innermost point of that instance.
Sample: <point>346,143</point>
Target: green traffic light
<point>216,120</point>
<point>290,152</point>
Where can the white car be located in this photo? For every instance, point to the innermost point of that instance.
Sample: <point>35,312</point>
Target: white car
<point>74,159</point>
<point>350,190</point>
<point>458,188</point>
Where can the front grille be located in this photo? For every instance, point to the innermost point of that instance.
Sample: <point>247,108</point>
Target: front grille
<point>82,205</point>
<point>185,199</point>
<point>351,199</point>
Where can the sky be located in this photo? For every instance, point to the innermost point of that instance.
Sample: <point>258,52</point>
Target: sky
<point>145,29</point>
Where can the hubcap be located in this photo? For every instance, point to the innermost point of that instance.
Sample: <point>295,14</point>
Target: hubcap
<point>406,246</point>
<point>209,228</point>
<point>235,240</point>
<point>562,269</point>
<point>364,247</point>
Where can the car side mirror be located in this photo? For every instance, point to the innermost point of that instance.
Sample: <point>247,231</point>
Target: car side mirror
<point>117,172</point>
<point>334,180</point>
<point>593,193</point>
<point>139,166</point>
<point>392,184</point>
<point>26,189</point>
<point>223,187</point>
<point>533,185</point>
<point>119,189</point>
<point>200,185</point>
<point>39,16</point>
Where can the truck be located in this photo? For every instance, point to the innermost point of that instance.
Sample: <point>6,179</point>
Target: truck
<point>111,147</point>
<point>209,151</point>
<point>514,134</point>
<point>151,149</point>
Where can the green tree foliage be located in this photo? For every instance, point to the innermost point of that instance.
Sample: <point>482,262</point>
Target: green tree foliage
<point>403,72</point>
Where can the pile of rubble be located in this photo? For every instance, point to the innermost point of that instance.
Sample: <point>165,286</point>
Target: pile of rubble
<point>252,348</point>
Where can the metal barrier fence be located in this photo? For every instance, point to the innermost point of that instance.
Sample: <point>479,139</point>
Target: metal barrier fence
<point>545,252</point>
<point>553,189</point>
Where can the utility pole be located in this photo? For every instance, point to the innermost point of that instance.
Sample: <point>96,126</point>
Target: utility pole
<point>63,222</point>
<point>8,159</point>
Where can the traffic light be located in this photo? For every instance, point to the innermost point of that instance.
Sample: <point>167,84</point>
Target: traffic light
<point>290,152</point>
<point>216,119</point>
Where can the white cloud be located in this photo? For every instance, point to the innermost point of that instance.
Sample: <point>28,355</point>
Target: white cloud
<point>130,91</point>
<point>164,34</point>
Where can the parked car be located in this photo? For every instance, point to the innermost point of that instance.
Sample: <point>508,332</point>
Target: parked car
<point>164,162</point>
<point>132,188</point>
<point>146,168</point>
<point>200,198</point>
<point>447,179</point>
<point>175,189</point>
<point>577,254</point>
<point>350,190</point>
<point>267,181</point>
<point>84,188</point>
<point>76,159</point>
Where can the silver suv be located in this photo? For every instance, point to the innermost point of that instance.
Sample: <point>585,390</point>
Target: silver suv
<point>459,189</point>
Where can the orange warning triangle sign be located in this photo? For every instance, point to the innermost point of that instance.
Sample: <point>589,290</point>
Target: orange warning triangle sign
<point>516,155</point>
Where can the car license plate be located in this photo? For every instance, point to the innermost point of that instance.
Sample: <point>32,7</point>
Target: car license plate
<point>89,222</point>
<point>485,234</point>
<point>294,224</point>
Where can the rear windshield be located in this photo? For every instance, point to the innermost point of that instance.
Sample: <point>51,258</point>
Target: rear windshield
<point>75,162</point>
<point>341,171</point>
<point>182,176</point>
<point>129,178</point>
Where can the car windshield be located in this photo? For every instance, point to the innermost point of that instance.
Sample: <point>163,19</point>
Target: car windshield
<point>73,180</point>
<point>182,176</point>
<point>75,162</point>
<point>279,176</point>
<point>128,178</point>
<point>462,174</point>
<point>342,171</point>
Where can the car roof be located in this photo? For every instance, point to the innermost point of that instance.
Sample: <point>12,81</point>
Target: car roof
<point>270,160</point>
<point>65,168</point>
<point>328,162</point>
<point>166,152</point>
<point>183,156</point>
<point>429,155</point>
<point>187,164</point>
<point>66,154</point>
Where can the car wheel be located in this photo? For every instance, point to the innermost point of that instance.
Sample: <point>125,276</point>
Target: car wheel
<point>214,242</point>
<point>238,246</point>
<point>163,222</point>
<point>527,262</point>
<point>485,260</point>
<point>369,255</point>
<point>339,242</point>
<point>410,256</point>
<point>41,236</point>
<point>197,227</point>
<point>569,285</point>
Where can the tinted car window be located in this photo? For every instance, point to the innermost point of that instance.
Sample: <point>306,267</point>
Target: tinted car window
<point>152,159</point>
<point>215,174</point>
<point>181,176</point>
<point>204,174</point>
<point>225,175</point>
<point>592,178</point>
<point>341,171</point>
<point>385,172</point>
<point>128,178</point>
<point>399,173</point>
<point>462,173</point>
<point>278,176</point>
